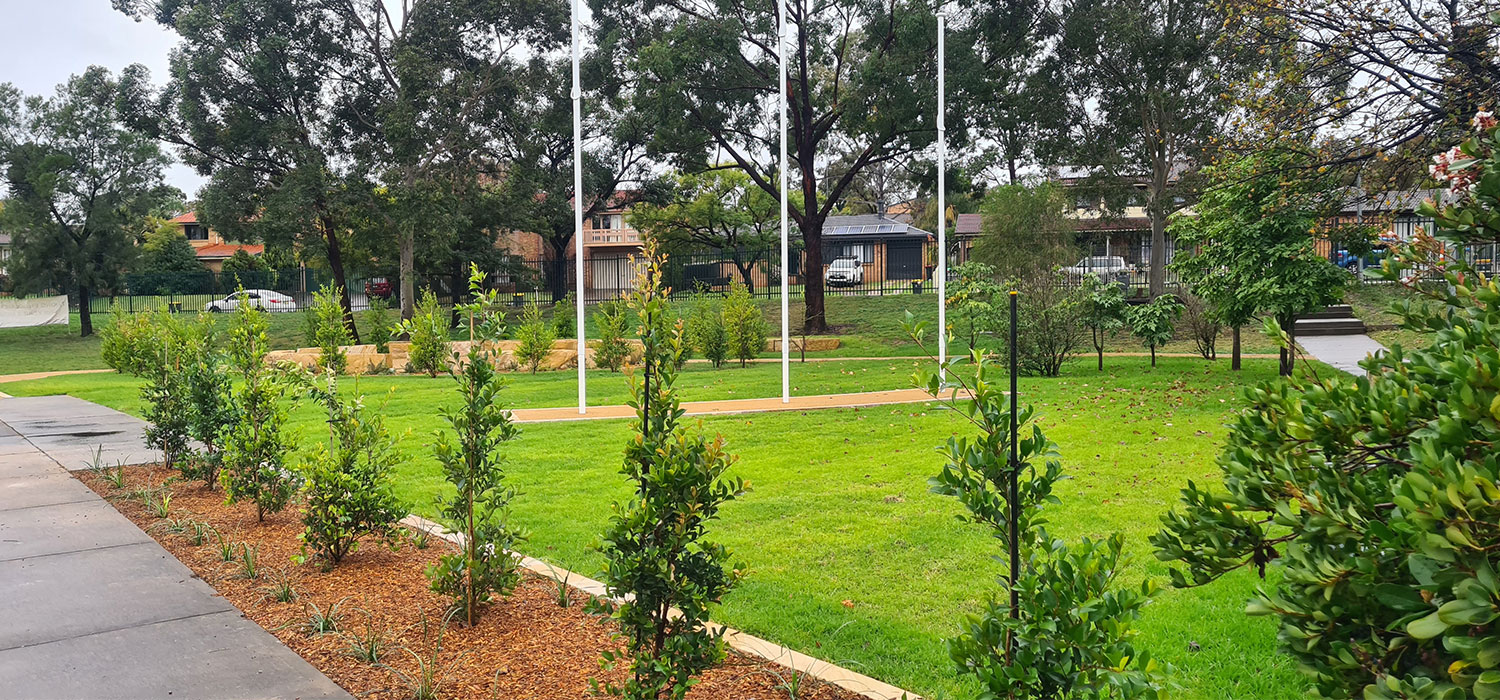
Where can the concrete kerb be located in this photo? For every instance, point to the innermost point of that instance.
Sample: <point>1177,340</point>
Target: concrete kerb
<point>746,644</point>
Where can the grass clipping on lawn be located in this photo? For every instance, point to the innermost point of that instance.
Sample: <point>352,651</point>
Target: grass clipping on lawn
<point>524,646</point>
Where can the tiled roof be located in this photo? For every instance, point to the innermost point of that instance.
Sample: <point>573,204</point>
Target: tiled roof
<point>188,218</point>
<point>224,250</point>
<point>968,224</point>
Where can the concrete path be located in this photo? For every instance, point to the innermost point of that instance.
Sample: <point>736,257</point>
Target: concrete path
<point>92,606</point>
<point>704,408</point>
<point>1343,352</point>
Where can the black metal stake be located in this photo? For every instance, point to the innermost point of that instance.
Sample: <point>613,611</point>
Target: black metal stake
<point>1014,496</point>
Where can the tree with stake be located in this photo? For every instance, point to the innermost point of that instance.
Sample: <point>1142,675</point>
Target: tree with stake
<point>659,567</point>
<point>1065,629</point>
<point>1155,322</point>
<point>472,461</point>
<point>329,332</point>
<point>1104,311</point>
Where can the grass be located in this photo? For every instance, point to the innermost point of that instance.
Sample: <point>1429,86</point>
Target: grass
<point>1372,302</point>
<point>851,559</point>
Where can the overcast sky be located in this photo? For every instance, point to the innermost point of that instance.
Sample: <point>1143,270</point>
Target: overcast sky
<point>42,42</point>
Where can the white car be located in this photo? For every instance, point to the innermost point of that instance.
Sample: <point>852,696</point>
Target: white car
<point>844,272</point>
<point>263,299</point>
<point>1105,267</point>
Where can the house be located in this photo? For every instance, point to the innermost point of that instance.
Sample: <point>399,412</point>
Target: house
<point>609,242</point>
<point>211,248</point>
<point>5,246</point>
<point>887,248</point>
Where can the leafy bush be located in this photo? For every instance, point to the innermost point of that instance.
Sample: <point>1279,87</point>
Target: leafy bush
<point>330,335</point>
<point>255,448</point>
<point>1202,324</point>
<point>534,339</point>
<point>428,330</point>
<point>1049,325</point>
<point>164,395</point>
<point>657,559</point>
<point>210,404</point>
<point>564,320</point>
<point>1377,496</point>
<point>348,492</point>
<point>611,350</point>
<point>705,330</point>
<point>1064,630</point>
<point>1154,322</point>
<point>972,299</point>
<point>379,319</point>
<point>478,509</point>
<point>1104,310</point>
<point>744,328</point>
<point>130,341</point>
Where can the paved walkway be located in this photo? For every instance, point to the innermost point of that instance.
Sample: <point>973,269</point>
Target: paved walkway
<point>704,408</point>
<point>92,606</point>
<point>1343,352</point>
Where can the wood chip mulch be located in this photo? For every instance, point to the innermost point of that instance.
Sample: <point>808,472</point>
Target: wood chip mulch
<point>523,647</point>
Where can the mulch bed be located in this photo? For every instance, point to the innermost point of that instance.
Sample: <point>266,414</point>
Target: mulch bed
<point>524,646</point>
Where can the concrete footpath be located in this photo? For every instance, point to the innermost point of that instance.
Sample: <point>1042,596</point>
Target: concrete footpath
<point>1343,352</point>
<point>92,606</point>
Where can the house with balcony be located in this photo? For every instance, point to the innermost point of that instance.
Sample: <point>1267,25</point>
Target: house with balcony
<point>211,248</point>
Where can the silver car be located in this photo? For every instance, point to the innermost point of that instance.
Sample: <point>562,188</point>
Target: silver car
<point>844,272</point>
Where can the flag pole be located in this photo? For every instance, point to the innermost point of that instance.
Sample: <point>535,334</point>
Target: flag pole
<point>942,211</point>
<point>786,349</point>
<point>577,95</point>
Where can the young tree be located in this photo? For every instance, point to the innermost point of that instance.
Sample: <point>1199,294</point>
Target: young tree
<point>859,86</point>
<point>659,565</point>
<point>534,339</point>
<point>1104,312</point>
<point>473,463</point>
<point>704,329</point>
<point>1376,496</point>
<point>80,186</point>
<point>744,326</point>
<point>164,394</point>
<point>972,299</point>
<point>1154,323</point>
<point>211,406</point>
<point>719,210</point>
<point>255,445</point>
<point>330,334</point>
<point>611,349</point>
<point>1250,249</point>
<point>349,493</point>
<point>1051,324</point>
<point>428,330</point>
<point>1064,630</point>
<point>1148,83</point>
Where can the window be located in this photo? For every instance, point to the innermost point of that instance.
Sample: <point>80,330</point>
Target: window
<point>606,221</point>
<point>863,252</point>
<point>195,232</point>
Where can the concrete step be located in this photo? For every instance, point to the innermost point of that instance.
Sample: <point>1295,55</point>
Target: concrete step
<point>1335,311</point>
<point>1330,326</point>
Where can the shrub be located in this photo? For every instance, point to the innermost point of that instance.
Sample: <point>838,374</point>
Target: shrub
<point>972,299</point>
<point>1153,322</point>
<point>1104,310</point>
<point>705,330</point>
<point>657,559</point>
<point>478,509</point>
<point>1049,325</point>
<point>349,494</point>
<point>611,350</point>
<point>428,330</point>
<point>1376,496</point>
<point>1064,629</point>
<point>1202,324</point>
<point>533,339</point>
<point>379,320</point>
<point>164,395</point>
<point>210,403</point>
<point>744,328</point>
<point>330,335</point>
<point>254,446</point>
<point>130,341</point>
<point>564,318</point>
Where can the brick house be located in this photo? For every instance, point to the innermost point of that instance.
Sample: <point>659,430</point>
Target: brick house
<point>211,248</point>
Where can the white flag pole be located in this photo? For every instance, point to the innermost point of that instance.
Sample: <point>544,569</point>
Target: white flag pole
<point>577,95</point>
<point>786,349</point>
<point>942,211</point>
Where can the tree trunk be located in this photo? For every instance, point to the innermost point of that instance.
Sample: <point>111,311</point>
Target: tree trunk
<point>408,272</point>
<point>1153,355</point>
<point>815,319</point>
<point>336,266</point>
<point>85,319</point>
<point>1234,362</point>
<point>1158,252</point>
<point>746,268</point>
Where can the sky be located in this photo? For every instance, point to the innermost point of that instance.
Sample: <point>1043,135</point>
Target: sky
<point>42,42</point>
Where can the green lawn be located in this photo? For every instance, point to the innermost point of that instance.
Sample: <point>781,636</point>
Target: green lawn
<point>840,509</point>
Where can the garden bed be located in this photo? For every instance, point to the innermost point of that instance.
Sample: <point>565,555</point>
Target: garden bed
<point>524,646</point>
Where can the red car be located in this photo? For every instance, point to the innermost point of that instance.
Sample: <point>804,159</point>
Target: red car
<point>379,288</point>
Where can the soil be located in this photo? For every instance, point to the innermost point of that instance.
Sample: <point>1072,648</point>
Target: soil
<point>525,646</point>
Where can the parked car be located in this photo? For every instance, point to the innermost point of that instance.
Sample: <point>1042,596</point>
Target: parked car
<point>1104,267</point>
<point>844,272</point>
<point>263,299</point>
<point>379,288</point>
